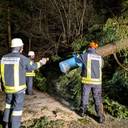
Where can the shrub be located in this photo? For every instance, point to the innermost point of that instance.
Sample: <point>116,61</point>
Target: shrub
<point>40,82</point>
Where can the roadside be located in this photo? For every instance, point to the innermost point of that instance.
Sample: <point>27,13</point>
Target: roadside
<point>43,105</point>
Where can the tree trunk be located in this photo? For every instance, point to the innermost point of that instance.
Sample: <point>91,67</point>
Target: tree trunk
<point>112,48</point>
<point>9,27</point>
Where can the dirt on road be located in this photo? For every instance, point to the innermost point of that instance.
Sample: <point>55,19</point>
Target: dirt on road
<point>42,104</point>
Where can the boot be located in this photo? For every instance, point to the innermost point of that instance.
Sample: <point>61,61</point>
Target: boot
<point>82,111</point>
<point>5,125</point>
<point>101,118</point>
<point>100,113</point>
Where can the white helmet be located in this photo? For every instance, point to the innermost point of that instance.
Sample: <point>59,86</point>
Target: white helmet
<point>31,53</point>
<point>16,42</point>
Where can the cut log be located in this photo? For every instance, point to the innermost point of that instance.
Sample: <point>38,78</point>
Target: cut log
<point>112,48</point>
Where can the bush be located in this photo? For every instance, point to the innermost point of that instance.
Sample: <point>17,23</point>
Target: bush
<point>40,82</point>
<point>117,87</point>
<point>115,109</point>
<point>44,122</point>
<point>69,86</point>
<point>115,29</point>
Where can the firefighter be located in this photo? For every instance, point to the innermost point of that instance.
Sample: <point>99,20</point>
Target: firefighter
<point>30,74</point>
<point>13,70</point>
<point>91,80</point>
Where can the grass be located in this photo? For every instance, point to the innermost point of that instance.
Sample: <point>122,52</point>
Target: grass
<point>44,122</point>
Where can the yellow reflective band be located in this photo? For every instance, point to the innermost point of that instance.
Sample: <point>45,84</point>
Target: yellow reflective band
<point>32,73</point>
<point>12,89</point>
<point>2,73</point>
<point>88,68</point>
<point>16,76</point>
<point>17,113</point>
<point>38,64</point>
<point>8,106</point>
<point>91,81</point>
<point>100,69</point>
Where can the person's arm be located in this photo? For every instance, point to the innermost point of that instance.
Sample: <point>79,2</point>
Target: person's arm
<point>81,58</point>
<point>33,66</point>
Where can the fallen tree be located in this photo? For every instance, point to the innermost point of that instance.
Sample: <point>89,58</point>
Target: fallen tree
<point>106,50</point>
<point>112,48</point>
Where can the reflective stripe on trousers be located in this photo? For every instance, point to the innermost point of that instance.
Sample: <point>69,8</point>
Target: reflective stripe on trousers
<point>13,115</point>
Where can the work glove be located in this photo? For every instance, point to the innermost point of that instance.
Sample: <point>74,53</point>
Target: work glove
<point>43,61</point>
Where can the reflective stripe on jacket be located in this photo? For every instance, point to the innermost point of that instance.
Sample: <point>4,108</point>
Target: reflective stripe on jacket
<point>91,69</point>
<point>94,74</point>
<point>13,70</point>
<point>31,73</point>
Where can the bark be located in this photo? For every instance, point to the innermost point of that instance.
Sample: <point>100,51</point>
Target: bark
<point>112,48</point>
<point>9,27</point>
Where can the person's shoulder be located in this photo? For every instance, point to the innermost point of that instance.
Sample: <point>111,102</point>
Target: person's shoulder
<point>23,57</point>
<point>97,55</point>
<point>6,55</point>
<point>85,54</point>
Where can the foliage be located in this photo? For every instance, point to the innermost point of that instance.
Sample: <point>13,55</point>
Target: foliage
<point>40,82</point>
<point>115,109</point>
<point>49,25</point>
<point>44,122</point>
<point>55,58</point>
<point>77,44</point>
<point>118,85</point>
<point>115,29</point>
<point>68,86</point>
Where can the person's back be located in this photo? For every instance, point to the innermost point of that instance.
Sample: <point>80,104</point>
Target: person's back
<point>92,66</point>
<point>13,70</point>
<point>12,67</point>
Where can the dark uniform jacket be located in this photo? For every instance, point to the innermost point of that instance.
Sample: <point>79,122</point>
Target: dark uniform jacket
<point>91,67</point>
<point>30,73</point>
<point>13,71</point>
